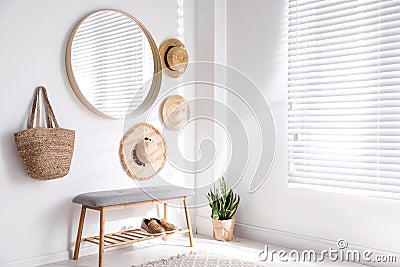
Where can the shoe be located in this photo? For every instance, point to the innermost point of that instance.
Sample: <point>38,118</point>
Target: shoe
<point>152,227</point>
<point>168,227</point>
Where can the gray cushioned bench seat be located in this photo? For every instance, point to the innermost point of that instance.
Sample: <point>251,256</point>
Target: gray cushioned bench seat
<point>131,195</point>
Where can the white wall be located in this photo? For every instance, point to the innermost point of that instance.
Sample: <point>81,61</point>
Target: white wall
<point>37,218</point>
<point>257,46</point>
<point>210,49</point>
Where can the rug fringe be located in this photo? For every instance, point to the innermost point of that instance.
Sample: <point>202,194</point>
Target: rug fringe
<point>161,261</point>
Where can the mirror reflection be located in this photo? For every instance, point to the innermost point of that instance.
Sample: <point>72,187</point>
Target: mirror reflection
<point>111,62</point>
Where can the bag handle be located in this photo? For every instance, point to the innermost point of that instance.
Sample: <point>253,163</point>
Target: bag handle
<point>50,117</point>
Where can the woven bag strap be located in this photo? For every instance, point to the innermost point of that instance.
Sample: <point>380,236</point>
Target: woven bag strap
<point>34,109</point>
<point>50,117</point>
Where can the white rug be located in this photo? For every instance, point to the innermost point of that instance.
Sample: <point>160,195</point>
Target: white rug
<point>199,259</point>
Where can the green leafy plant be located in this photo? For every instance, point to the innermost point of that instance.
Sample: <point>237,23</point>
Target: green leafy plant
<point>223,203</point>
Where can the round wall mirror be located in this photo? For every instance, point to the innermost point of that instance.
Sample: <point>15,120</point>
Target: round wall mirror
<point>113,64</point>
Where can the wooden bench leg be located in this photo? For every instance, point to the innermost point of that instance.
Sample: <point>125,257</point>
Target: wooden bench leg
<point>101,245</point>
<point>79,235</point>
<point>165,217</point>
<point>189,226</point>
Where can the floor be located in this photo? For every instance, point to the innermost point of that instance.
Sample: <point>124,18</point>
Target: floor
<point>143,252</point>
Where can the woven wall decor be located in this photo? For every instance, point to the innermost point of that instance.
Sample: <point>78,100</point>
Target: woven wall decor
<point>174,57</point>
<point>143,151</point>
<point>46,153</point>
<point>175,112</point>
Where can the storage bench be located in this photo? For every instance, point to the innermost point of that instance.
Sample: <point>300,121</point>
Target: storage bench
<point>103,201</point>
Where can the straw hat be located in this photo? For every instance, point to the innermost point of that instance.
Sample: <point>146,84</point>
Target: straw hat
<point>174,57</point>
<point>175,112</point>
<point>143,151</point>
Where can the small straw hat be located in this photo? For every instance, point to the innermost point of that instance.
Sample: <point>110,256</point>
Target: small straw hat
<point>174,57</point>
<point>143,151</point>
<point>175,112</point>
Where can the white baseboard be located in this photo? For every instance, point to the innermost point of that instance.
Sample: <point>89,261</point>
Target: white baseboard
<point>87,250</point>
<point>303,242</point>
<point>203,226</point>
<point>37,261</point>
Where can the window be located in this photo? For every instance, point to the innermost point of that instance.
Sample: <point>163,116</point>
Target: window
<point>344,96</point>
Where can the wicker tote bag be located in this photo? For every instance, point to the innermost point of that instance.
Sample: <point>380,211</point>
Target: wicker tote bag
<point>46,153</point>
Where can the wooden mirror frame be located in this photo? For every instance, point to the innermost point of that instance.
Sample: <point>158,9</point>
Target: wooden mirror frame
<point>157,75</point>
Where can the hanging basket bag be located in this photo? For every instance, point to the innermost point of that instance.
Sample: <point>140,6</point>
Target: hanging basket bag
<point>46,153</point>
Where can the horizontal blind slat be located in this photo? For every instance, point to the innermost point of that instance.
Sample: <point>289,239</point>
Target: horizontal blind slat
<point>343,95</point>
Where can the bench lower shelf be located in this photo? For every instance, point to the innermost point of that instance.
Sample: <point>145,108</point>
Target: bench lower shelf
<point>128,237</point>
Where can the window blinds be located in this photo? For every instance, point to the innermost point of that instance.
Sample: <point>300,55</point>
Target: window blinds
<point>344,96</point>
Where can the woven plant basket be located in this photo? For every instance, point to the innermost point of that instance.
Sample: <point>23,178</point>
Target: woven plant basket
<point>46,153</point>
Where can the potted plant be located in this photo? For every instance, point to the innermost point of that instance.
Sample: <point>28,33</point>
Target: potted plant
<point>224,205</point>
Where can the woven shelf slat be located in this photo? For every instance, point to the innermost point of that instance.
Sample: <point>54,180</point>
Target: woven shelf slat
<point>115,238</point>
<point>105,240</point>
<point>127,237</point>
<point>139,233</point>
<point>93,241</point>
<point>132,234</point>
